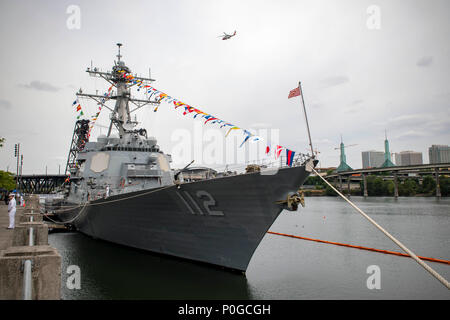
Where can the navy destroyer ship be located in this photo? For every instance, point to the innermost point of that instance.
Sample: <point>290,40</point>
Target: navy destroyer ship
<point>122,190</point>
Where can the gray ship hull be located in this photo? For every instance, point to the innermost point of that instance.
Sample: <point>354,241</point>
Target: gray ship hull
<point>218,221</point>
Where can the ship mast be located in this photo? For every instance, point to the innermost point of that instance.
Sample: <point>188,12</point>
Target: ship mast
<point>121,114</point>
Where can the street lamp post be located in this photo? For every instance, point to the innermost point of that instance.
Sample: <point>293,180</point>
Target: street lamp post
<point>17,154</point>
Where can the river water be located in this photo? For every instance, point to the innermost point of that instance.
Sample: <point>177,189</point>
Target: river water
<point>283,268</point>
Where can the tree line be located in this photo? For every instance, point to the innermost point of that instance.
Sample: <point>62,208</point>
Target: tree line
<point>376,186</point>
<point>7,181</point>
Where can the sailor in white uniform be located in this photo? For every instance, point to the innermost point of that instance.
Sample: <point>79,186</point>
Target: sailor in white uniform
<point>11,210</point>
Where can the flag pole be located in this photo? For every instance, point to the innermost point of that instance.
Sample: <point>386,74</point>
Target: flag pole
<point>306,119</point>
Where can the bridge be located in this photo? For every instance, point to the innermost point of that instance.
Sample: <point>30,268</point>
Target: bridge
<point>397,172</point>
<point>41,184</point>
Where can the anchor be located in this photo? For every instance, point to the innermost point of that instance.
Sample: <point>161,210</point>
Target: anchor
<point>292,201</point>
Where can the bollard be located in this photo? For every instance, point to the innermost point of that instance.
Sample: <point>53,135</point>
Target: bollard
<point>23,230</point>
<point>27,284</point>
<point>27,281</point>
<point>26,217</point>
<point>45,273</point>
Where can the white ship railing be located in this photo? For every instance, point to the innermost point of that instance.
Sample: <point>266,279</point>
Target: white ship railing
<point>298,160</point>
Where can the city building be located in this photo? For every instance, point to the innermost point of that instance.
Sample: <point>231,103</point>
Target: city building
<point>396,158</point>
<point>439,154</point>
<point>372,159</point>
<point>409,158</point>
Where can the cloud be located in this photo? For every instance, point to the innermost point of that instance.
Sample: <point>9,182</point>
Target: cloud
<point>409,120</point>
<point>5,104</point>
<point>41,86</point>
<point>425,61</point>
<point>317,105</point>
<point>260,125</point>
<point>421,125</point>
<point>411,134</point>
<point>334,81</point>
<point>323,141</point>
<point>439,125</point>
<point>351,109</point>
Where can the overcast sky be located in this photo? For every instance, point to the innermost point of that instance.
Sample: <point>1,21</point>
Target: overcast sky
<point>362,71</point>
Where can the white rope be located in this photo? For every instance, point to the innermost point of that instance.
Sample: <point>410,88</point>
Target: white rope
<point>409,252</point>
<point>68,221</point>
<point>86,204</point>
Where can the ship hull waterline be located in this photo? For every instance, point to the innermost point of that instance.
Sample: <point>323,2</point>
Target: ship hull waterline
<point>217,221</point>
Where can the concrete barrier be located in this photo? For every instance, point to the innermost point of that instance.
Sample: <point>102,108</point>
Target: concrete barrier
<point>18,254</point>
<point>45,271</point>
<point>25,217</point>
<point>32,202</point>
<point>22,231</point>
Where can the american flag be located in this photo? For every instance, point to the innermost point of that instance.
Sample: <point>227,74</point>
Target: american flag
<point>294,93</point>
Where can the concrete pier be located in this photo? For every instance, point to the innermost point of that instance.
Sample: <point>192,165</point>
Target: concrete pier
<point>438,186</point>
<point>395,186</point>
<point>348,187</point>
<point>25,245</point>
<point>366,193</point>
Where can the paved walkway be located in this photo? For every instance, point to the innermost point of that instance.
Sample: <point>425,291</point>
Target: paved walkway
<point>5,234</point>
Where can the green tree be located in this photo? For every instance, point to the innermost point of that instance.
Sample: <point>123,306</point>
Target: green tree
<point>315,181</point>
<point>2,140</point>
<point>329,191</point>
<point>409,187</point>
<point>389,187</point>
<point>428,185</point>
<point>444,183</point>
<point>7,180</point>
<point>378,187</point>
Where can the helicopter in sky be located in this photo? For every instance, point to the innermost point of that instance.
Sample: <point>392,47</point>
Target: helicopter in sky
<point>226,36</point>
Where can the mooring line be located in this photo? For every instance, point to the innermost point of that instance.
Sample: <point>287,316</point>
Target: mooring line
<point>310,168</point>
<point>360,247</point>
<point>90,204</point>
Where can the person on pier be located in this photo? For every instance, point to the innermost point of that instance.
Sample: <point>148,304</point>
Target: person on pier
<point>11,210</point>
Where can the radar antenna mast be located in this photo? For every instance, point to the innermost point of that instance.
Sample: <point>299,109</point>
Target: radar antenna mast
<point>121,114</point>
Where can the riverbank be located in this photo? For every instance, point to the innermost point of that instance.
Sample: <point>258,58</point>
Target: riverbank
<point>324,193</point>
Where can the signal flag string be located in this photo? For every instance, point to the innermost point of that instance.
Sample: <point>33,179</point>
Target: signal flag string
<point>309,167</point>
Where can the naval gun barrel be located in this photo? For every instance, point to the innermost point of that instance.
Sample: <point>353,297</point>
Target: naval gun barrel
<point>180,170</point>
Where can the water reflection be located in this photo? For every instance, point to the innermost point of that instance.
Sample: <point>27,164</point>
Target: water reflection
<point>110,271</point>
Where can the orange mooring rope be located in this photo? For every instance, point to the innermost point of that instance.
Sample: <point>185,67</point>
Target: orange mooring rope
<point>359,247</point>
